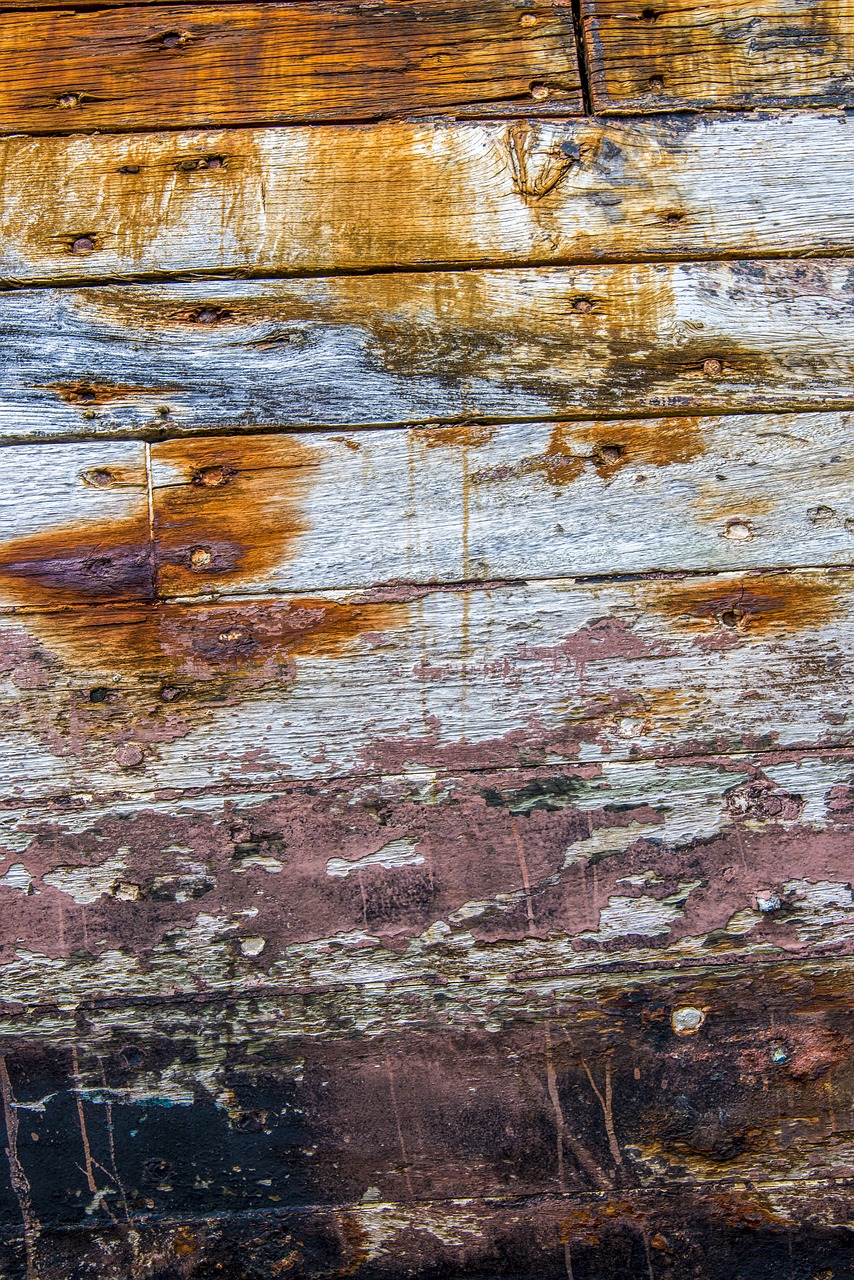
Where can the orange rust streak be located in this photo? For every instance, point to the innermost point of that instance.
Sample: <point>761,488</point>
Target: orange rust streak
<point>755,604</point>
<point>248,642</point>
<point>234,512</point>
<point>81,564</point>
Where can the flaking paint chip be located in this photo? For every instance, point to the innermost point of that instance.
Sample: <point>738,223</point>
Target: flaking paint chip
<point>687,1020</point>
<point>252,946</point>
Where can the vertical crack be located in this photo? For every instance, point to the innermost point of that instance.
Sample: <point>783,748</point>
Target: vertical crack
<point>581,55</point>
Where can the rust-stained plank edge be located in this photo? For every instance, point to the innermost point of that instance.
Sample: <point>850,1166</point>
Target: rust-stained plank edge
<point>301,201</point>
<point>507,674</point>
<point>235,517</point>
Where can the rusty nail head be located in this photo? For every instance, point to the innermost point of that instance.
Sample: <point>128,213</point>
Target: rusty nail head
<point>200,557</point>
<point>712,368</point>
<point>83,244</point>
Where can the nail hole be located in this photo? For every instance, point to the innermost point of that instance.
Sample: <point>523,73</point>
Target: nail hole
<point>67,100</point>
<point>129,168</point>
<point>673,218</point>
<point>731,618</point>
<point>650,15</point>
<point>581,304</point>
<point>738,531</point>
<point>656,84</point>
<point>83,244</point>
<point>172,39</point>
<point>213,477</point>
<point>608,454</point>
<point>99,695</point>
<point>210,315</point>
<point>169,693</point>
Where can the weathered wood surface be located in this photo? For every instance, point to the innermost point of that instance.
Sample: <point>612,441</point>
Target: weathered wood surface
<point>310,685</point>
<point>714,1233</point>
<point>422,193</point>
<point>674,55</point>
<point>376,888</point>
<point>262,514</point>
<point>156,66</point>
<point>705,337</point>
<point>646,1104</point>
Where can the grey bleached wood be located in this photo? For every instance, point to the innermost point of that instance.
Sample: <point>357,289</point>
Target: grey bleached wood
<point>285,513</point>
<point>422,193</point>
<point>261,691</point>
<point>535,343</point>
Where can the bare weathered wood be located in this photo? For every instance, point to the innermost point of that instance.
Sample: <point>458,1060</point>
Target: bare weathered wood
<point>156,66</point>
<point>100,697</point>
<point>531,343</point>
<point>422,193</point>
<point>737,54</point>
<point>250,515</point>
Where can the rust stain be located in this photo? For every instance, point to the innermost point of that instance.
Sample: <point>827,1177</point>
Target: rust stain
<point>605,448</point>
<point>81,564</point>
<point>753,604</point>
<point>234,512</point>
<point>92,391</point>
<point>463,436</point>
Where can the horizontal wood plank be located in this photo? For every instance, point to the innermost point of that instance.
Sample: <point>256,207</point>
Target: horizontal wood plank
<point>365,882</point>
<point>423,193</point>
<point>259,514</point>
<point>714,1232</point>
<point>530,343</point>
<point>99,697</point>
<point>166,66</point>
<point>737,54</point>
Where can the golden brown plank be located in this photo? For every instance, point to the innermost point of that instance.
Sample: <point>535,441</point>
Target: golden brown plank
<point>418,193</point>
<point>157,66</point>
<point>665,54</point>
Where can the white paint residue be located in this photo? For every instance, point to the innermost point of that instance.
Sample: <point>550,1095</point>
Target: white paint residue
<point>272,865</point>
<point>87,884</point>
<point>398,853</point>
<point>17,877</point>
<point>645,916</point>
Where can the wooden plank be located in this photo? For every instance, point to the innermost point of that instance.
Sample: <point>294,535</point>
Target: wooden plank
<point>600,1095</point>
<point>184,696</point>
<point>423,193</point>
<point>531,343</point>
<point>166,66</point>
<point>676,55</point>
<point>714,1232</point>
<point>377,886</point>
<point>260,514</point>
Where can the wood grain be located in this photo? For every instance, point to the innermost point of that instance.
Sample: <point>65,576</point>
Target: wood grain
<point>422,193</point>
<point>261,514</point>
<point>669,55</point>
<point>187,696</point>
<point>350,350</point>
<point>168,66</point>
